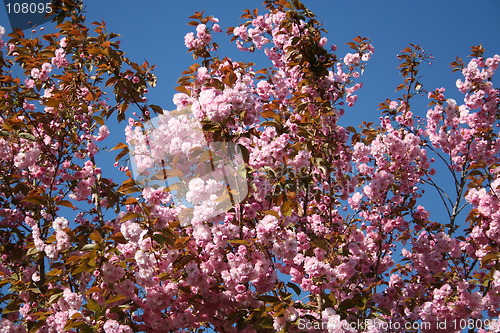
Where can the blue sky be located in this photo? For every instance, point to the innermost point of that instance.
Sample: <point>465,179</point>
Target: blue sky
<point>154,31</point>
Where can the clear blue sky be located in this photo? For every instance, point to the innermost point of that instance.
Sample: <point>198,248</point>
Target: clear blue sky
<point>154,30</point>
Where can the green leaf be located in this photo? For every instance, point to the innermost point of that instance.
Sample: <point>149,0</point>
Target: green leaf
<point>82,267</point>
<point>351,129</point>
<point>96,236</point>
<point>32,251</point>
<point>268,298</point>
<point>54,298</point>
<point>13,306</point>
<point>129,216</point>
<point>295,288</point>
<point>35,290</point>
<point>65,203</point>
<point>87,247</point>
<point>271,123</point>
<point>270,114</point>
<point>358,301</point>
<point>99,120</point>
<point>239,241</point>
<point>35,198</point>
<point>286,208</point>
<point>121,145</point>
<point>54,272</point>
<point>115,298</point>
<point>157,109</point>
<point>93,306</point>
<point>272,212</point>
<point>265,322</point>
<point>118,237</point>
<point>490,257</point>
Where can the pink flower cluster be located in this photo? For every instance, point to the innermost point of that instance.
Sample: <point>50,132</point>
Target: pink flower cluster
<point>203,36</point>
<point>86,180</point>
<point>59,60</point>
<point>28,154</point>
<point>43,74</point>
<point>457,129</point>
<point>267,150</point>
<point>267,29</point>
<point>250,209</point>
<point>209,103</point>
<point>2,32</point>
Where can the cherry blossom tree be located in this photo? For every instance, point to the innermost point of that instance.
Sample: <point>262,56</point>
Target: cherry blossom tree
<point>331,230</point>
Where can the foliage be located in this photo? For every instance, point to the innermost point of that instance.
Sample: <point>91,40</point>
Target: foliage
<point>332,232</point>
